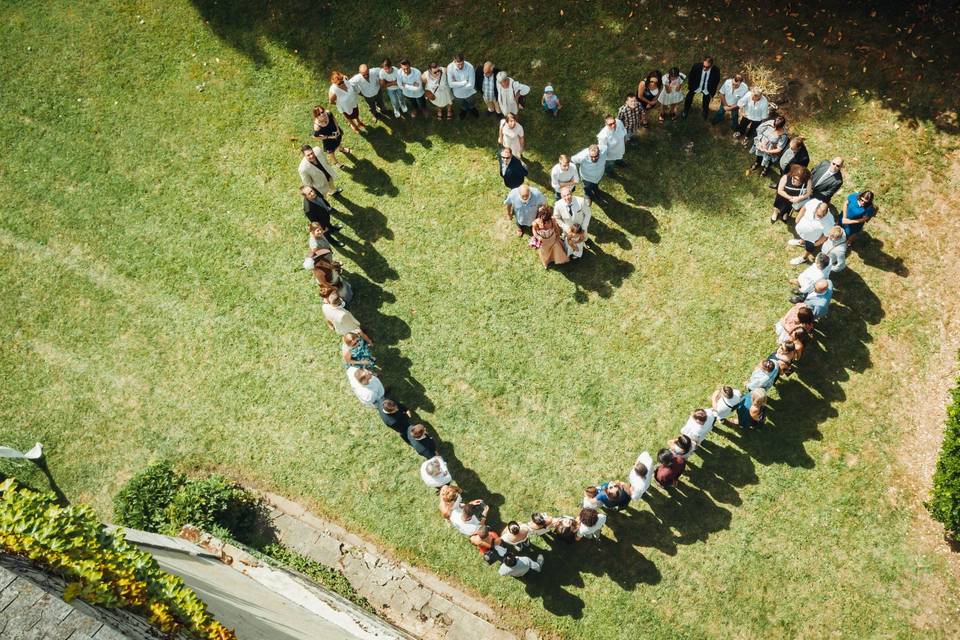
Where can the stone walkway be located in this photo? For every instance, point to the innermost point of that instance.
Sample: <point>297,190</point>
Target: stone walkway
<point>412,599</point>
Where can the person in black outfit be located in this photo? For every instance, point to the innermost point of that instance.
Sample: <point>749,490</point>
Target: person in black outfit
<point>511,169</point>
<point>318,210</point>
<point>421,441</point>
<point>395,416</point>
<point>704,78</point>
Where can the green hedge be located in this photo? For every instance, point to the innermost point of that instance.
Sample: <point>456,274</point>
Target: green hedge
<point>945,503</point>
<point>162,500</point>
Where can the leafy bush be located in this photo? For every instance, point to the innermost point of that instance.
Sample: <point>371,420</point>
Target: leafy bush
<point>99,567</point>
<point>143,501</point>
<point>162,500</point>
<point>945,503</point>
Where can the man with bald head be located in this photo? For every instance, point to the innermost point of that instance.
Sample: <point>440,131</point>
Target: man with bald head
<point>522,204</point>
<point>367,84</point>
<point>486,85</point>
<point>827,179</point>
<point>819,299</point>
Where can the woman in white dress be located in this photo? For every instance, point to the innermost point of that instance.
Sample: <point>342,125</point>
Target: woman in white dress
<point>672,95</point>
<point>438,91</point>
<point>345,96</point>
<point>511,135</point>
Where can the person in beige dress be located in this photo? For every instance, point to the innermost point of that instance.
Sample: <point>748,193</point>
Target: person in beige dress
<point>547,233</point>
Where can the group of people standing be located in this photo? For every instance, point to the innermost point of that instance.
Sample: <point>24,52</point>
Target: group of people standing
<point>559,232</point>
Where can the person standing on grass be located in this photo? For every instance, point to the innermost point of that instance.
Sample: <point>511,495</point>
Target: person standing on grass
<point>389,81</point>
<point>793,190</point>
<point>698,426</point>
<point>763,375</point>
<point>465,518</point>
<point>516,535</point>
<point>450,496</point>
<point>356,352</point>
<point>510,94</point>
<point>799,317</point>
<point>522,205</point>
<point>672,95</point>
<point>461,78</point>
<point>813,226</point>
<point>540,524</point>
<point>794,155</point>
<point>614,494</point>
<point>422,442</point>
<point>318,210</point>
<point>590,524</point>
<point>345,96</point>
<point>395,416</point>
<point>752,410</point>
<point>519,566</point>
<point>648,94</point>
<point>316,173</point>
<point>485,83</point>
<point>511,136</point>
<point>669,469</point>
<point>366,386</point>
<point>367,83</point>
<point>550,101</point>
<point>836,249</point>
<point>820,269</point>
<point>858,210</point>
<point>641,475</point>
<point>564,174</point>
<point>436,475</point>
<point>819,299</point>
<point>724,401</point>
<point>571,210</point>
<point>546,238</point>
<point>326,129</point>
<point>574,240</point>
<point>768,144</point>
<point>613,137</point>
<point>591,163</point>
<point>339,319</point>
<point>732,90</point>
<point>704,78</point>
<point>753,108</point>
<point>511,169</point>
<point>630,114</point>
<point>486,540</point>
<point>410,80</point>
<point>437,90</point>
<point>827,179</point>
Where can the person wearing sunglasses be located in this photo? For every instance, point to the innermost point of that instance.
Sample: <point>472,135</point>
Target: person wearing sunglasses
<point>827,179</point>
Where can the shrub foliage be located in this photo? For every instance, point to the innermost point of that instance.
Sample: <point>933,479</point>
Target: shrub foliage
<point>99,567</point>
<point>945,503</point>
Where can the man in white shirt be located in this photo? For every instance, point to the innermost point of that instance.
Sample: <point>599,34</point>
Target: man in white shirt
<point>367,84</point>
<point>813,226</point>
<point>461,78</point>
<point>519,566</point>
<point>465,519</point>
<point>613,136</point>
<point>753,109</point>
<point>698,426</point>
<point>731,92</point>
<point>724,400</point>
<point>819,270</point>
<point>570,210</point>
<point>641,475</point>
<point>564,174</point>
<point>522,204</point>
<point>510,94</point>
<point>366,386</point>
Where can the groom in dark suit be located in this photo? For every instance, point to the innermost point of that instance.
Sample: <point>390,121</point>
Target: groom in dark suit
<point>704,78</point>
<point>511,169</point>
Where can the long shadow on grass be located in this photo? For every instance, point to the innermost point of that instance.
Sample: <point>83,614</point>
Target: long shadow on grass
<point>597,271</point>
<point>468,480</point>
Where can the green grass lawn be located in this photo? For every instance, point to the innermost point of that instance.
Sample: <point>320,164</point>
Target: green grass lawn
<point>152,305</point>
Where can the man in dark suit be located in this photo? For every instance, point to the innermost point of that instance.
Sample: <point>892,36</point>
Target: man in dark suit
<point>827,179</point>
<point>704,78</point>
<point>318,210</point>
<point>511,169</point>
<point>795,153</point>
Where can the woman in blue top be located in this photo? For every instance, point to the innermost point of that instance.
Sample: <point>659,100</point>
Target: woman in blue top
<point>752,410</point>
<point>356,352</point>
<point>614,495</point>
<point>858,210</point>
